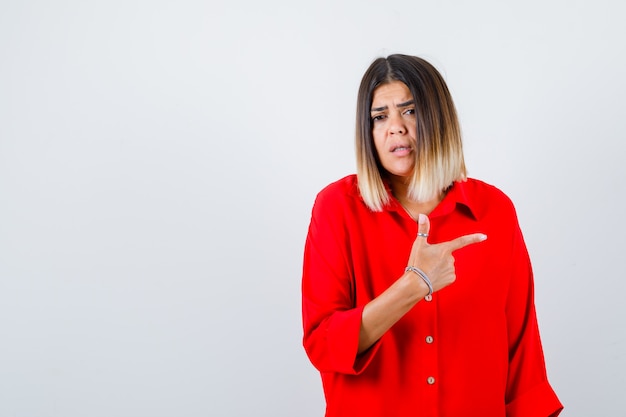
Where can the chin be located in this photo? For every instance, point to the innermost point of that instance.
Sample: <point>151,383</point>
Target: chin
<point>402,172</point>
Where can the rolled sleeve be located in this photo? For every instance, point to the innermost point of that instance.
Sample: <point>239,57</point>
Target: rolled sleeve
<point>333,346</point>
<point>540,401</point>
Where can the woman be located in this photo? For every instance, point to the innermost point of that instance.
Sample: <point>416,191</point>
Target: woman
<point>408,308</point>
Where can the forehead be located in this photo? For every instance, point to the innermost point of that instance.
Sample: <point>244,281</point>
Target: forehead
<point>393,92</point>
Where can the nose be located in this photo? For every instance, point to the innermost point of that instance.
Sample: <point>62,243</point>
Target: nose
<point>397,125</point>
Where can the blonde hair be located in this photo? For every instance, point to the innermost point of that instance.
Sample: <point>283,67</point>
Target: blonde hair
<point>439,158</point>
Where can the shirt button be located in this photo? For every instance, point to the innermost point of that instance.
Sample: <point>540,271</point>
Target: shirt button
<point>430,380</point>
<point>428,298</point>
<point>429,339</point>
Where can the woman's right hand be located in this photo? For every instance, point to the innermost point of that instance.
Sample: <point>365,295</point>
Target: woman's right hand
<point>437,261</point>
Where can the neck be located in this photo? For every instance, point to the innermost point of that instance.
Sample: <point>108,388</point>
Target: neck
<point>400,189</point>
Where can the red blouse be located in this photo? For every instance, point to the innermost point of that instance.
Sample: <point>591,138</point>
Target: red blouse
<point>471,349</point>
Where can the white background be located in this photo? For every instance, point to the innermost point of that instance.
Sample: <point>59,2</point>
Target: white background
<point>159,160</point>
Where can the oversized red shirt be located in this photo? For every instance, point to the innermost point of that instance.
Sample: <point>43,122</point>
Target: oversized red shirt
<point>470,350</point>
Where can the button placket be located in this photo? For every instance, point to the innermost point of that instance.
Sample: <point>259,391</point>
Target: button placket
<point>431,379</point>
<point>429,359</point>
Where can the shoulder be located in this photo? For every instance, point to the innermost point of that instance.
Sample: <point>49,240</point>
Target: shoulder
<point>341,191</point>
<point>494,210</point>
<point>338,200</point>
<point>478,188</point>
<point>485,198</point>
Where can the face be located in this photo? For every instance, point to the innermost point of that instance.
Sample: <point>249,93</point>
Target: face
<point>394,128</point>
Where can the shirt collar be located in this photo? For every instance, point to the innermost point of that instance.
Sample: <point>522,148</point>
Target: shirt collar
<point>457,198</point>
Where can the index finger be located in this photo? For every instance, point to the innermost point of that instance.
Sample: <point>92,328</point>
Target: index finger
<point>461,242</point>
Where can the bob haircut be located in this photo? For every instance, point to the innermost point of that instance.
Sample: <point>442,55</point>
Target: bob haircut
<point>439,158</point>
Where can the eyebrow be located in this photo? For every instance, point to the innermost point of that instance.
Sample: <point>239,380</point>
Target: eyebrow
<point>405,104</point>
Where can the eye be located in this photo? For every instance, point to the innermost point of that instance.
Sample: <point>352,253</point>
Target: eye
<point>409,112</point>
<point>378,118</point>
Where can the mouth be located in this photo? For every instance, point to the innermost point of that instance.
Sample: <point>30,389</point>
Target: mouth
<point>400,149</point>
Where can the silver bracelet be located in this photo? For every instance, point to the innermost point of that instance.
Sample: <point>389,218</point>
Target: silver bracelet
<point>422,275</point>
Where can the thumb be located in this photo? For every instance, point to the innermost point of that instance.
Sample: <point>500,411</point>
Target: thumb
<point>423,226</point>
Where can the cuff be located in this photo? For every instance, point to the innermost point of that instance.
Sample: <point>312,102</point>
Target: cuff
<point>344,344</point>
<point>540,401</point>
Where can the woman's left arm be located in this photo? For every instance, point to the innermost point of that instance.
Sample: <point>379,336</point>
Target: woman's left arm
<point>528,392</point>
